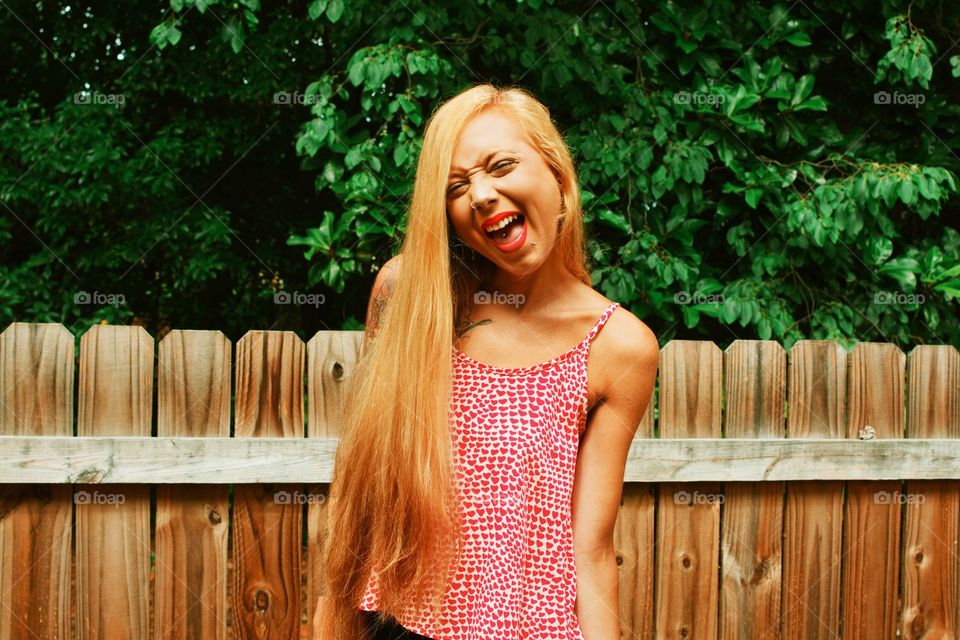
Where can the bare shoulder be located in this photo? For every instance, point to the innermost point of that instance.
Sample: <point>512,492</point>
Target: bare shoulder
<point>626,349</point>
<point>383,286</point>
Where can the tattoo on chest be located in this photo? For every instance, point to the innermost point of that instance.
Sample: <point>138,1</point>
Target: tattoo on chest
<point>466,324</point>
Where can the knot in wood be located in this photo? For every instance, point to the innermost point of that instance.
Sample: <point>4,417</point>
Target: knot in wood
<point>337,371</point>
<point>261,600</point>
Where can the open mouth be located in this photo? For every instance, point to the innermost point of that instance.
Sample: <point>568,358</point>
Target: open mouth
<point>508,230</point>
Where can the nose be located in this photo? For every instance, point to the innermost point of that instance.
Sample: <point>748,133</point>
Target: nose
<point>482,193</point>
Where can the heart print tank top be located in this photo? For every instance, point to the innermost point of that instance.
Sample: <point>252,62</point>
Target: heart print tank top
<point>516,433</point>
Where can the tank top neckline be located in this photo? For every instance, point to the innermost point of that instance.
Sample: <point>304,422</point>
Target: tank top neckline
<point>536,367</point>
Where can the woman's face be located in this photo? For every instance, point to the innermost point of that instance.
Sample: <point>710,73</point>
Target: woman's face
<point>497,170</point>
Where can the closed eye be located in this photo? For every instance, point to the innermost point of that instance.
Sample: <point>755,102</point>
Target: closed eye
<point>497,167</point>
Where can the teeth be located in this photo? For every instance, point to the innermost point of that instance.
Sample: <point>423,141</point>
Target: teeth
<point>502,223</point>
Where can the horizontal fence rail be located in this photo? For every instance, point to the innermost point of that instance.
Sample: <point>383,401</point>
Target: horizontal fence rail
<point>809,493</point>
<point>115,460</point>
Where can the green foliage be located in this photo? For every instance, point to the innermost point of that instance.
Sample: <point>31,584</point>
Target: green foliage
<point>748,169</point>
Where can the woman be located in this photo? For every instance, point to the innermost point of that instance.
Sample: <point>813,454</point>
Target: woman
<point>475,492</point>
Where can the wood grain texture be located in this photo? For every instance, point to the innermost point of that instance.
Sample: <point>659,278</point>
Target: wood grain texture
<point>633,539</point>
<point>36,398</point>
<point>871,524</point>
<point>930,551</point>
<point>816,391</point>
<point>688,523</point>
<point>331,360</point>
<point>754,372</point>
<point>193,400</point>
<point>160,460</point>
<point>267,519</point>
<point>113,524</point>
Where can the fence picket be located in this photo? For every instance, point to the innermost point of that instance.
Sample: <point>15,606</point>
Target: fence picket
<point>930,551</point>
<point>633,539</point>
<point>688,527</point>
<point>267,519</point>
<point>816,391</point>
<point>331,360</point>
<point>871,538</point>
<point>113,525</point>
<point>193,400</point>
<point>36,398</point>
<point>751,546</point>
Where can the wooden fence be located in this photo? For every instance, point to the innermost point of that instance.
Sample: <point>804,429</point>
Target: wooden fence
<point>810,494</point>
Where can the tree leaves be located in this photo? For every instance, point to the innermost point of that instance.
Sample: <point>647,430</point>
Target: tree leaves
<point>908,58</point>
<point>732,149</point>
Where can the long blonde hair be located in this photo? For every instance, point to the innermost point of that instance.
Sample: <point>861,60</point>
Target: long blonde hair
<point>393,504</point>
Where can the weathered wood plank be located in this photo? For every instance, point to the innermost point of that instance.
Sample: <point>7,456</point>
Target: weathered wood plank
<point>193,400</point>
<point>331,360</point>
<point>754,374</point>
<point>634,541</point>
<point>930,553</point>
<point>871,539</point>
<point>113,524</point>
<point>36,398</point>
<point>688,523</point>
<point>111,460</point>
<point>816,394</point>
<point>267,519</point>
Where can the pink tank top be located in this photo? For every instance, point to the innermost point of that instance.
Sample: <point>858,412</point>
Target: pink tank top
<point>516,433</point>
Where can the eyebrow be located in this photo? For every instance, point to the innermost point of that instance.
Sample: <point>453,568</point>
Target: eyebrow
<point>461,172</point>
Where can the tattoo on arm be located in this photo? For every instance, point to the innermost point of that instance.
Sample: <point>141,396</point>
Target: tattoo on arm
<point>378,304</point>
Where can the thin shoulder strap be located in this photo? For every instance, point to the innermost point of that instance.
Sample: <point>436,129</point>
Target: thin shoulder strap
<point>602,321</point>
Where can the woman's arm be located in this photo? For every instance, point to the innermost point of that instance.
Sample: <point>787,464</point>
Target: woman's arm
<point>598,483</point>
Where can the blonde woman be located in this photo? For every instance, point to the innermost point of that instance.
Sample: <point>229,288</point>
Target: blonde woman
<point>485,435</point>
